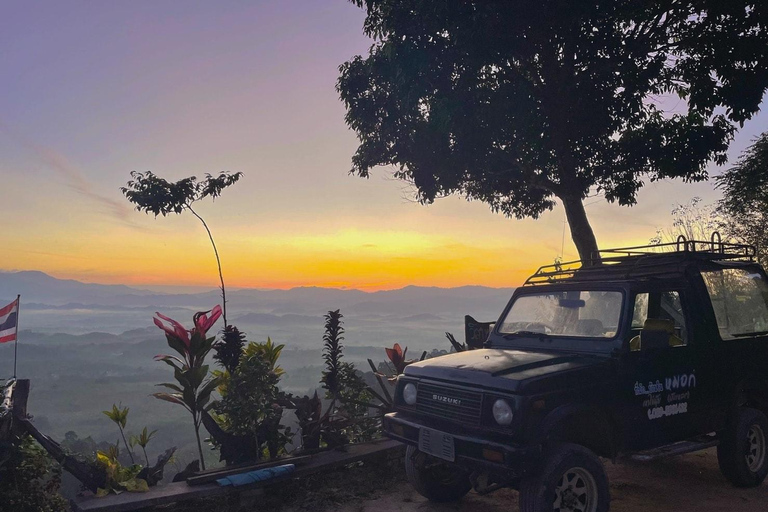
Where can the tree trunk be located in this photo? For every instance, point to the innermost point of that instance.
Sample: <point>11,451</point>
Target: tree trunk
<point>581,232</point>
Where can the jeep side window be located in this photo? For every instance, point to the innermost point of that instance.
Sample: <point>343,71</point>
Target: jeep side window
<point>658,316</point>
<point>740,301</point>
<point>640,313</point>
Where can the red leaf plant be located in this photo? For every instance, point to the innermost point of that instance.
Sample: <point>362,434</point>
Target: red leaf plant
<point>397,356</point>
<point>193,391</point>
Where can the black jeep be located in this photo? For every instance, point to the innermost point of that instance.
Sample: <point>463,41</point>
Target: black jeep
<point>642,352</point>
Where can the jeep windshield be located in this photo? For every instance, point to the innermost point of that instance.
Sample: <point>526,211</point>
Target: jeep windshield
<point>587,314</point>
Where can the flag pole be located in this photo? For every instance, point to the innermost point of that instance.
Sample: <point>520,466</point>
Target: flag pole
<point>16,338</point>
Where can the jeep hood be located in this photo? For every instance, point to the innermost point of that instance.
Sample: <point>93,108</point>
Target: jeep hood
<point>513,370</point>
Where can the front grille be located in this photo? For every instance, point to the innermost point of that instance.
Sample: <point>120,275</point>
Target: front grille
<point>457,404</point>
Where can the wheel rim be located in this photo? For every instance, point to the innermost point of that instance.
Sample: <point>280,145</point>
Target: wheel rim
<point>755,448</point>
<point>576,491</point>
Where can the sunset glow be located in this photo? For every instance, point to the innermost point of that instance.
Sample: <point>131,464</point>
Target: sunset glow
<point>94,92</point>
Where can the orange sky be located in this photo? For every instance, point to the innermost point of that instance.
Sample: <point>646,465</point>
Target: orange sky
<point>92,92</point>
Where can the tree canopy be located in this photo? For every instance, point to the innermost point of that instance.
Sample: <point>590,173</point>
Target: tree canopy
<point>745,197</point>
<point>519,103</point>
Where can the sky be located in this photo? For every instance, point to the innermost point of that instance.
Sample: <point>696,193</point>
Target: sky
<point>94,90</point>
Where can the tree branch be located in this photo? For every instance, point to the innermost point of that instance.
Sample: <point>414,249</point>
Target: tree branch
<point>218,263</point>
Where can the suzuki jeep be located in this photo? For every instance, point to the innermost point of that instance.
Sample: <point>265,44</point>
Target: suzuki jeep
<point>641,352</point>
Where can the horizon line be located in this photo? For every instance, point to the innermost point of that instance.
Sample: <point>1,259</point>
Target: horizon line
<point>206,289</point>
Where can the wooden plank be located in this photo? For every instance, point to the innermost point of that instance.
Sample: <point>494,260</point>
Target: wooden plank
<point>160,495</point>
<point>211,475</point>
<point>8,395</point>
<point>20,397</point>
<point>181,491</point>
<point>89,476</point>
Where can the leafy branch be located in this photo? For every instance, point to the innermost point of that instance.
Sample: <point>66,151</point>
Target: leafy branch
<point>153,194</point>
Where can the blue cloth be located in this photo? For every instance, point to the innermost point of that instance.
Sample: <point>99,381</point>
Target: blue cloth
<point>260,475</point>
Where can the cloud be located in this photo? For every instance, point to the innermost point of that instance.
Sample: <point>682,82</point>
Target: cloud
<point>74,177</point>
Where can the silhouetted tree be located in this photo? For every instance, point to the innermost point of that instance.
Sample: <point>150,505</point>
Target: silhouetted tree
<point>745,197</point>
<point>155,195</point>
<point>519,103</point>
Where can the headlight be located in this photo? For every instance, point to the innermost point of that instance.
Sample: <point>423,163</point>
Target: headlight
<point>502,412</point>
<point>409,393</point>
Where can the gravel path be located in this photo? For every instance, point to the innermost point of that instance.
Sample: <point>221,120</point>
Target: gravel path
<point>679,484</point>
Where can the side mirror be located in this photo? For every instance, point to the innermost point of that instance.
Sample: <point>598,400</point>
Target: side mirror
<point>475,333</point>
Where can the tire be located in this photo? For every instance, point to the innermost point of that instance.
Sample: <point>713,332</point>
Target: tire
<point>742,453</point>
<point>437,481</point>
<point>572,478</point>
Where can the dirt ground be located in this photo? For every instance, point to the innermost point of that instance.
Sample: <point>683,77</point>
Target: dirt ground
<point>678,484</point>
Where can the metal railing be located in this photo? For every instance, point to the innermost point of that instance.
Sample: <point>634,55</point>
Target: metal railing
<point>643,257</point>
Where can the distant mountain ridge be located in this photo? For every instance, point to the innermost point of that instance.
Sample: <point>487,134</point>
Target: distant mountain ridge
<point>36,286</point>
<point>42,290</point>
<point>50,305</point>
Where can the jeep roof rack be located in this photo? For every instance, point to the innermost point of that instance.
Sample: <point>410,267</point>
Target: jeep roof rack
<point>643,260</point>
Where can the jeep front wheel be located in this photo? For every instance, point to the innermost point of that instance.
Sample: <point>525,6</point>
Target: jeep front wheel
<point>572,480</point>
<point>437,481</point>
<point>742,450</point>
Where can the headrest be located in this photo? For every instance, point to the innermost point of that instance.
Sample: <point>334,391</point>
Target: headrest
<point>658,324</point>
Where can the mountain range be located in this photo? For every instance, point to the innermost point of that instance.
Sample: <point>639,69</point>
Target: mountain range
<point>51,305</point>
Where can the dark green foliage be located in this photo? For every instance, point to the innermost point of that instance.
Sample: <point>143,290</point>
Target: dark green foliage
<point>29,480</point>
<point>252,405</point>
<point>355,397</point>
<point>517,103</point>
<point>153,194</point>
<point>332,351</point>
<point>745,197</point>
<point>309,414</point>
<point>229,349</point>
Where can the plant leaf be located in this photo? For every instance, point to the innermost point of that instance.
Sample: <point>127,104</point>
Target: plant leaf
<point>171,398</point>
<point>170,386</point>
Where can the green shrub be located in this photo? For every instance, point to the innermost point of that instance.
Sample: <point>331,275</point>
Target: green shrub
<point>251,404</point>
<point>30,480</point>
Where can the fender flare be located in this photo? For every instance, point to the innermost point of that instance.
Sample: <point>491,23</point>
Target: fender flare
<point>555,418</point>
<point>751,383</point>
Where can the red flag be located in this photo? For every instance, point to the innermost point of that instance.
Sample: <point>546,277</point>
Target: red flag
<point>8,318</point>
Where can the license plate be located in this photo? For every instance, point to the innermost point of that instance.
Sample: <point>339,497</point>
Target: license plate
<point>436,443</point>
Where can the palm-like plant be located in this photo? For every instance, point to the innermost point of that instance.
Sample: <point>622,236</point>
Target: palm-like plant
<point>119,415</point>
<point>142,440</point>
<point>266,351</point>
<point>193,391</point>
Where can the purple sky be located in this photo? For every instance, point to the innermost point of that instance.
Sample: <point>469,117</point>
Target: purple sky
<point>93,90</point>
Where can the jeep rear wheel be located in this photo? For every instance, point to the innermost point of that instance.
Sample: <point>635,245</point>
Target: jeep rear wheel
<point>572,480</point>
<point>743,449</point>
<point>437,481</point>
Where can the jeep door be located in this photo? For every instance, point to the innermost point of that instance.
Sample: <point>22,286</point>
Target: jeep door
<point>738,331</point>
<point>662,398</point>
